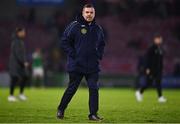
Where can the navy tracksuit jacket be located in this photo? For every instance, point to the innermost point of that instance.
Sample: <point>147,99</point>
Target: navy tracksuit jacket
<point>84,45</point>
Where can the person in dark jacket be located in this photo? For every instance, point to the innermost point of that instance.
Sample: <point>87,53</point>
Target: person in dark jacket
<point>18,64</point>
<point>154,67</point>
<point>83,41</point>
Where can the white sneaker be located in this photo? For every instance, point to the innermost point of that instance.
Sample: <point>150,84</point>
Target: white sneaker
<point>162,99</point>
<point>12,99</point>
<point>22,97</point>
<point>139,96</point>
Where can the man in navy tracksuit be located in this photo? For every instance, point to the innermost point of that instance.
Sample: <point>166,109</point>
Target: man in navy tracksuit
<point>83,41</point>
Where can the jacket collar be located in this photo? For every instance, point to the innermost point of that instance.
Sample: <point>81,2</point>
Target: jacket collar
<point>81,20</point>
<point>16,38</point>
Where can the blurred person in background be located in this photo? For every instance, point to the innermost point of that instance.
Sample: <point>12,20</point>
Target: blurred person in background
<point>37,68</point>
<point>83,41</point>
<point>154,68</point>
<point>18,64</point>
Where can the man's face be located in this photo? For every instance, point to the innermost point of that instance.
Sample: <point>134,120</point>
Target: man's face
<point>21,34</point>
<point>158,40</point>
<point>88,14</point>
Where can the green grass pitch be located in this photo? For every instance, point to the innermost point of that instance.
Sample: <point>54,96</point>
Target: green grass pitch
<point>116,105</point>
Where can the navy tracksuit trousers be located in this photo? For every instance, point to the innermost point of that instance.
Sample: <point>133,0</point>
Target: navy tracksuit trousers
<point>75,79</point>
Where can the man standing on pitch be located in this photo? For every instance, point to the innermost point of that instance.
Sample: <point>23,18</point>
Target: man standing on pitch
<point>18,64</point>
<point>83,41</point>
<point>154,68</point>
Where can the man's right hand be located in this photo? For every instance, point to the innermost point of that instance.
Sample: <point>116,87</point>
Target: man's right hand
<point>26,64</point>
<point>148,71</point>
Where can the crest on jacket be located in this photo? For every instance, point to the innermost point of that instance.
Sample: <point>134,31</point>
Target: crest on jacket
<point>83,30</point>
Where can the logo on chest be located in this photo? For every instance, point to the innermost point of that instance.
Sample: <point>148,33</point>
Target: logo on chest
<point>83,31</point>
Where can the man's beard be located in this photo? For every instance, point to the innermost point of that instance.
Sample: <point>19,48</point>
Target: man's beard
<point>89,19</point>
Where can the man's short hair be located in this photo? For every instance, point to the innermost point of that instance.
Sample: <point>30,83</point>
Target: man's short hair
<point>19,29</point>
<point>158,36</point>
<point>88,6</point>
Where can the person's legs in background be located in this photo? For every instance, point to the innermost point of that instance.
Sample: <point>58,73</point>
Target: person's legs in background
<point>23,83</point>
<point>159,90</point>
<point>149,81</point>
<point>14,81</point>
<point>139,93</point>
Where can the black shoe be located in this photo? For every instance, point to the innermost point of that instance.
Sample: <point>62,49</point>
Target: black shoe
<point>95,118</point>
<point>60,114</point>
